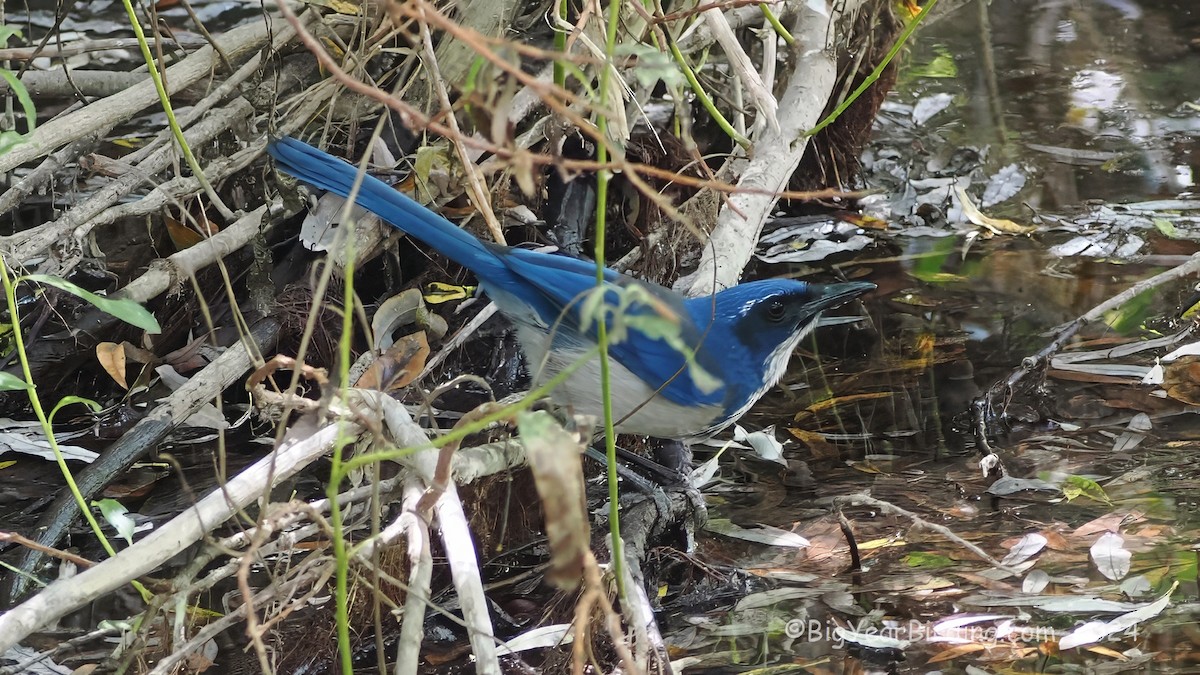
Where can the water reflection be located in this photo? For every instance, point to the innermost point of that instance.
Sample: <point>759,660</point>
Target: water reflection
<point>1093,100</point>
<point>1115,79</point>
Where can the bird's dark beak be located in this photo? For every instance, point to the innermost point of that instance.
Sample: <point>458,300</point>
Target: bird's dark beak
<point>828,296</point>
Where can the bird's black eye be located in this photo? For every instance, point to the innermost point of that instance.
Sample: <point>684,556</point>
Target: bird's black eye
<point>776,310</point>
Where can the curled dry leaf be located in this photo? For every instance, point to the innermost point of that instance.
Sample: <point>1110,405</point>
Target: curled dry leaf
<point>996,225</point>
<point>112,358</point>
<point>555,459</point>
<point>397,367</point>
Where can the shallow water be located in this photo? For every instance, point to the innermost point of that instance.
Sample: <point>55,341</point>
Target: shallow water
<point>1092,104</point>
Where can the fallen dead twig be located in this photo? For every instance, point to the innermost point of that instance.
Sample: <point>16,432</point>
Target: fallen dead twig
<point>313,577</point>
<point>146,434</point>
<point>238,42</point>
<point>863,500</point>
<point>420,560</point>
<point>982,408</point>
<point>64,232</point>
<point>47,171</point>
<point>66,646</point>
<point>144,556</point>
<point>163,275</point>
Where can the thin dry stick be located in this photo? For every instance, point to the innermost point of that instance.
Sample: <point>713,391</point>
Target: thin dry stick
<point>48,550</point>
<point>633,170</point>
<point>982,406</point>
<point>594,594</point>
<point>863,500</point>
<point>479,194</point>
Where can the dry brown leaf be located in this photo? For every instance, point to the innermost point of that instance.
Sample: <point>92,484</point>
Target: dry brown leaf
<point>957,651</point>
<point>1110,653</point>
<point>996,225</point>
<point>188,357</point>
<point>1111,522</point>
<point>112,358</point>
<point>821,448</point>
<point>184,236</point>
<point>556,461</point>
<point>138,355</point>
<point>397,367</point>
<point>1055,541</point>
<point>828,403</point>
<point>1181,380</point>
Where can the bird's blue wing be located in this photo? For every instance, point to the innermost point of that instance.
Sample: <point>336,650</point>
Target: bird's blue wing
<point>565,283</point>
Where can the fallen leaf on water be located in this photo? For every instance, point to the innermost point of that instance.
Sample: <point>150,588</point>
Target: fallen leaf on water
<point>997,225</point>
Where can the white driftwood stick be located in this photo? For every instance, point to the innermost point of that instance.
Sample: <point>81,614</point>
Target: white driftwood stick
<point>76,222</point>
<point>420,562</point>
<point>144,556</point>
<point>167,271</point>
<point>776,153</point>
<point>464,570</point>
<point>456,536</point>
<point>743,67</point>
<point>56,133</point>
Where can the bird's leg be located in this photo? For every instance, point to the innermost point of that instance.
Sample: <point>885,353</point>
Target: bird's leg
<point>627,474</point>
<point>673,454</point>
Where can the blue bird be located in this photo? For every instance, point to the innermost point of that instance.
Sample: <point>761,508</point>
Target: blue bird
<point>680,367</point>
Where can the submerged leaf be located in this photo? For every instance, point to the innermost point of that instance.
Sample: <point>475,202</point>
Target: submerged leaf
<point>1029,546</point>
<point>1111,556</point>
<point>1078,486</point>
<point>997,225</point>
<point>1094,631</point>
<point>764,534</point>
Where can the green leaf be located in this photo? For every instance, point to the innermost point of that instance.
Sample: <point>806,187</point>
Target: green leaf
<point>659,323</point>
<point>1078,486</point>
<point>927,561</point>
<point>429,159</point>
<point>1131,316</point>
<point>930,264</point>
<point>8,32</point>
<point>940,278</point>
<point>1167,228</point>
<point>69,400</point>
<point>10,382</point>
<point>942,65</point>
<point>582,79</point>
<point>653,65</point>
<point>471,83</point>
<point>22,93</point>
<point>666,330</point>
<point>592,310</point>
<point>9,140</point>
<point>118,516</point>
<point>126,310</point>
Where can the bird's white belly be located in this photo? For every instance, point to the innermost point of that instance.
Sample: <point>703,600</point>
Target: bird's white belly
<point>655,415</point>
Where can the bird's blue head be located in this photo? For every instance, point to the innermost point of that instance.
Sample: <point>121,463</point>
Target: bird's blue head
<point>758,327</point>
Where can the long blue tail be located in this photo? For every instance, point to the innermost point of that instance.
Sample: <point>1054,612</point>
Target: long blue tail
<point>329,173</point>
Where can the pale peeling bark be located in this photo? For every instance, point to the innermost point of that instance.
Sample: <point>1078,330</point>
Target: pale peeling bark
<point>776,153</point>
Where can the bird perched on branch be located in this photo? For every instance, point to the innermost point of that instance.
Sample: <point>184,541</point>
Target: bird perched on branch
<point>680,367</point>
